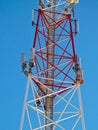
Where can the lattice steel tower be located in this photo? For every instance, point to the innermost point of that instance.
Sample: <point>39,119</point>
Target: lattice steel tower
<point>53,98</point>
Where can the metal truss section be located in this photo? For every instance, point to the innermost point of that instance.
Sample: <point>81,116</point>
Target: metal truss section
<point>64,54</point>
<point>67,112</point>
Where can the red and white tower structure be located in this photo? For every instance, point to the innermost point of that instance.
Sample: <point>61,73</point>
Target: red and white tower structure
<point>53,98</point>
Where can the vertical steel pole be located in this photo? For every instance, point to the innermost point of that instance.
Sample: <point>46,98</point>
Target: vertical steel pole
<point>81,108</point>
<point>50,73</point>
<point>24,105</point>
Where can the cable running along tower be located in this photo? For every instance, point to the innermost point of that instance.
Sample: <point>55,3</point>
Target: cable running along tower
<point>53,98</point>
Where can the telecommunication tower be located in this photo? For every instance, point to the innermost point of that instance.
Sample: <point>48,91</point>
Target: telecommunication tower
<point>53,98</point>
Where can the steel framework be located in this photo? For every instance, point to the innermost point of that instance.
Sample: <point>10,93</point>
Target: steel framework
<point>53,98</point>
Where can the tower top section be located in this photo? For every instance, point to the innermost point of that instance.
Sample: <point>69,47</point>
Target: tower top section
<point>47,4</point>
<point>62,6</point>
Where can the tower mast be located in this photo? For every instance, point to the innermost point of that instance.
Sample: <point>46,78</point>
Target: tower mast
<point>53,99</point>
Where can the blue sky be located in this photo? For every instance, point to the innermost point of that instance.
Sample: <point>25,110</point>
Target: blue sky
<point>16,35</point>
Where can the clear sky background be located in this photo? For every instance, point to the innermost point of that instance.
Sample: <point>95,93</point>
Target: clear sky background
<point>16,36</point>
